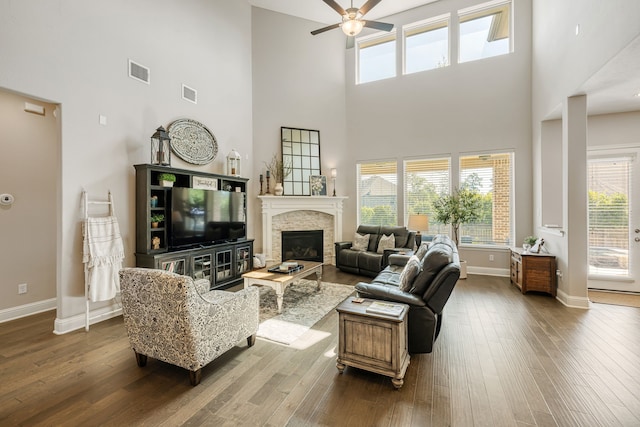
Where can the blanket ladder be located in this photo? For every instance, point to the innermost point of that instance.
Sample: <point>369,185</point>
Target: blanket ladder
<point>85,205</point>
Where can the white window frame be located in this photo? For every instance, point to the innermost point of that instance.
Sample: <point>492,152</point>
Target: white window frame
<point>512,199</point>
<point>434,228</point>
<point>425,26</point>
<point>373,40</point>
<point>478,11</point>
<point>359,182</point>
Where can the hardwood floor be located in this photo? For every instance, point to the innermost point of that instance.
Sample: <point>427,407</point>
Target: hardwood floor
<point>502,358</point>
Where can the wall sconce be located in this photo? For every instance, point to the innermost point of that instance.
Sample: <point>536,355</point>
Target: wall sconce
<point>160,148</point>
<point>233,163</point>
<point>418,222</point>
<point>334,174</point>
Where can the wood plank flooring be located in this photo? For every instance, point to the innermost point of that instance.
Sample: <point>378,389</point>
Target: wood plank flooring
<point>502,359</point>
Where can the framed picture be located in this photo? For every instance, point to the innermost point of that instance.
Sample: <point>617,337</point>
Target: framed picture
<point>204,183</point>
<point>318,184</point>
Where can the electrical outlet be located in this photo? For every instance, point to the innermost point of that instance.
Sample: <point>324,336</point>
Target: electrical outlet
<point>491,257</point>
<point>22,288</point>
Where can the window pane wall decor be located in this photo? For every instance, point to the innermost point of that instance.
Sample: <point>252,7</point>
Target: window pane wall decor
<point>301,150</point>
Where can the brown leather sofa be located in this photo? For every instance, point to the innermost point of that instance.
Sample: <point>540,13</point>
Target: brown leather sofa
<point>427,294</point>
<point>370,262</point>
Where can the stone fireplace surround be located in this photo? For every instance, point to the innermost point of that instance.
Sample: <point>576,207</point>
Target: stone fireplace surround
<point>296,213</point>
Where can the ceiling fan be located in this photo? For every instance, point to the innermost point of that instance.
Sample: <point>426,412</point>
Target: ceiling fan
<point>352,22</point>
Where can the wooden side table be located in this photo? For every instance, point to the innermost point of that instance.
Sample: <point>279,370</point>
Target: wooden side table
<point>374,342</point>
<point>533,272</point>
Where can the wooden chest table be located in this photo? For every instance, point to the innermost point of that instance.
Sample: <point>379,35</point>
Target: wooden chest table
<point>533,272</point>
<point>374,342</point>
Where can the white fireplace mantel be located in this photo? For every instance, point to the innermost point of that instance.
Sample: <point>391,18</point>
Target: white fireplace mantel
<point>276,205</point>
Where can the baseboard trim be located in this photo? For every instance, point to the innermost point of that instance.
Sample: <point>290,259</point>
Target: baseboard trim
<point>27,310</point>
<point>486,271</point>
<point>571,301</point>
<point>73,323</point>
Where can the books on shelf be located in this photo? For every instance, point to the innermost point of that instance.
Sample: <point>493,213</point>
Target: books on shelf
<point>386,308</point>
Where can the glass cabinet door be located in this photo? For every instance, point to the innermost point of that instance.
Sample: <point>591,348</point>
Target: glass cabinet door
<point>223,265</point>
<point>174,265</point>
<point>201,268</point>
<point>243,259</point>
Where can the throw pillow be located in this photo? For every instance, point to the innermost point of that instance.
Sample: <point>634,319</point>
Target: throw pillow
<point>360,242</point>
<point>422,250</point>
<point>409,274</point>
<point>386,242</point>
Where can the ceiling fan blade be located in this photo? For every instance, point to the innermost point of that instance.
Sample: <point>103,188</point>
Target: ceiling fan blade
<point>335,6</point>
<point>378,25</point>
<point>368,6</point>
<point>322,30</point>
<point>351,42</point>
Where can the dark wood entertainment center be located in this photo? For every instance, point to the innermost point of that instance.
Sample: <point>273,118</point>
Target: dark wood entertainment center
<point>222,264</point>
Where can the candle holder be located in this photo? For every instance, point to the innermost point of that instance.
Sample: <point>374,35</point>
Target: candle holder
<point>261,181</point>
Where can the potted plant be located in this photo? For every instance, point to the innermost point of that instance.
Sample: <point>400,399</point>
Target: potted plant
<point>166,179</point>
<point>460,207</point>
<point>528,242</point>
<point>155,219</point>
<point>279,170</point>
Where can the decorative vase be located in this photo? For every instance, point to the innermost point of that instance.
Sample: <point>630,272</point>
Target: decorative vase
<point>154,203</point>
<point>278,190</point>
<point>154,225</point>
<point>166,183</point>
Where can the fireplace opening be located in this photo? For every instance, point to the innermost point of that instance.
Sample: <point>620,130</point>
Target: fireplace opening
<point>307,245</point>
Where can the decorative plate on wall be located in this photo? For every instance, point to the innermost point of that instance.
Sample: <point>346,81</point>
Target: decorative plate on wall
<point>192,141</point>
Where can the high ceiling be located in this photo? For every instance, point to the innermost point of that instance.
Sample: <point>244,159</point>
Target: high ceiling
<point>610,90</point>
<point>317,10</point>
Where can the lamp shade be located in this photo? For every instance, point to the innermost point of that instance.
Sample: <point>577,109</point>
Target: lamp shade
<point>418,222</point>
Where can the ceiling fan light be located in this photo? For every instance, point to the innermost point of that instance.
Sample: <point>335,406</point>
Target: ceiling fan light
<point>352,27</point>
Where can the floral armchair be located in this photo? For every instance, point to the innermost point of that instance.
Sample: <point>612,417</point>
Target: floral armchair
<point>172,318</point>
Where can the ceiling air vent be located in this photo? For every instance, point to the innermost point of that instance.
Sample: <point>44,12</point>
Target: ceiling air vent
<point>139,72</point>
<point>189,94</point>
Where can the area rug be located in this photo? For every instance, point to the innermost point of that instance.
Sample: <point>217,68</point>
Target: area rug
<point>614,298</point>
<point>302,308</point>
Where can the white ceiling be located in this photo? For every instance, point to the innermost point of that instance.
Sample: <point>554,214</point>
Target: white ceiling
<point>319,11</point>
<point>610,90</point>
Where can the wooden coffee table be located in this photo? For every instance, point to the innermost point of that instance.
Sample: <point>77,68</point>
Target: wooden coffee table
<point>279,281</point>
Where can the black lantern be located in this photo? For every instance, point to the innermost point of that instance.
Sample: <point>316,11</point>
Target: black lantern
<point>160,148</point>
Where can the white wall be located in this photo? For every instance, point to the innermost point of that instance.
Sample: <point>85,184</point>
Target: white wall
<point>298,81</point>
<point>557,73</point>
<point>28,171</point>
<point>462,108</point>
<point>75,53</point>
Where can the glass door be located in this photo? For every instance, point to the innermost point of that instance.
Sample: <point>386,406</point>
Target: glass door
<point>614,220</point>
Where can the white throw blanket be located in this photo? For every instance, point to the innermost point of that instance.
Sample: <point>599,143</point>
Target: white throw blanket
<point>103,253</point>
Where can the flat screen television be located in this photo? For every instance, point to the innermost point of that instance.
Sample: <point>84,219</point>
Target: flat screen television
<point>205,217</point>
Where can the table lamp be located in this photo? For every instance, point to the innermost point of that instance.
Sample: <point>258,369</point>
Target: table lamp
<point>418,222</point>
